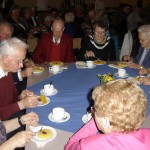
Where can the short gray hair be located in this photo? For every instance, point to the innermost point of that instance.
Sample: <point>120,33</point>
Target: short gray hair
<point>6,24</point>
<point>10,46</point>
<point>145,29</point>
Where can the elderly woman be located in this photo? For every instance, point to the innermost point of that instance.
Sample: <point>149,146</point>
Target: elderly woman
<point>142,58</point>
<point>117,116</point>
<point>21,138</point>
<point>98,45</point>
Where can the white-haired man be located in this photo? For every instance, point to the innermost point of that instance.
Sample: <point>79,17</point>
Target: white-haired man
<point>12,54</point>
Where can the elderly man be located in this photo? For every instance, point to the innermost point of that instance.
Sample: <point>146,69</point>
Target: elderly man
<point>12,54</point>
<point>54,46</point>
<point>20,79</point>
<point>142,58</point>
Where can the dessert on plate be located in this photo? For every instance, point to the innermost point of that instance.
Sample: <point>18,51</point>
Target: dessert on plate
<point>59,63</point>
<point>45,134</point>
<point>38,69</point>
<point>42,99</point>
<point>99,62</point>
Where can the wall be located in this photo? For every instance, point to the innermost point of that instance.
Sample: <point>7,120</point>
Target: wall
<point>56,3</point>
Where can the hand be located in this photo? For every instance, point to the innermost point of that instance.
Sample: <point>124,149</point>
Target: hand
<point>28,102</point>
<point>29,64</point>
<point>143,71</point>
<point>89,54</point>
<point>127,58</point>
<point>134,65</point>
<point>26,72</point>
<point>21,139</point>
<point>26,93</point>
<point>145,81</point>
<point>30,119</point>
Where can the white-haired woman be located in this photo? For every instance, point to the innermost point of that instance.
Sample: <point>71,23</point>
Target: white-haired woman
<point>119,111</point>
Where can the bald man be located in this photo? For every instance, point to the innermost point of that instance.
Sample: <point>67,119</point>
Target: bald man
<point>54,46</point>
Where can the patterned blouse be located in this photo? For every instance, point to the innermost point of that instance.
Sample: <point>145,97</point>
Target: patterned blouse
<point>2,133</point>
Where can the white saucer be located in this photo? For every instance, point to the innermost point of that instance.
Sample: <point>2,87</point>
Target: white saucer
<point>59,121</point>
<point>54,93</point>
<point>126,75</point>
<point>37,139</point>
<point>57,72</point>
<point>85,119</point>
<point>91,67</point>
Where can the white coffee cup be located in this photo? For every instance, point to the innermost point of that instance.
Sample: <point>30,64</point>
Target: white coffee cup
<point>58,113</point>
<point>89,63</point>
<point>54,69</point>
<point>48,89</point>
<point>121,72</point>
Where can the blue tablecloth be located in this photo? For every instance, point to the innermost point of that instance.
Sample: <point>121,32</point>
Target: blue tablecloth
<point>74,87</point>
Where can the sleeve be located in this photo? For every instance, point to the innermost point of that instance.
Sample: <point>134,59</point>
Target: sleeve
<point>9,110</point>
<point>112,51</point>
<point>125,49</point>
<point>137,58</point>
<point>70,54</point>
<point>75,142</point>
<point>83,49</point>
<point>38,52</point>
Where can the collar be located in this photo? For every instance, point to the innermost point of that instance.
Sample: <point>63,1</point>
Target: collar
<point>2,73</point>
<point>58,41</point>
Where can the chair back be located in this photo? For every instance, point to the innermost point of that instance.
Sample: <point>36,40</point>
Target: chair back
<point>76,43</point>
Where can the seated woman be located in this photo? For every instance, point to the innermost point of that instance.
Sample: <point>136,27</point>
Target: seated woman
<point>98,46</point>
<point>145,80</point>
<point>142,58</point>
<point>119,115</point>
<point>21,138</point>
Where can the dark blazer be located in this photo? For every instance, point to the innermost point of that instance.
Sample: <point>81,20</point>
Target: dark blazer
<point>44,48</point>
<point>146,62</point>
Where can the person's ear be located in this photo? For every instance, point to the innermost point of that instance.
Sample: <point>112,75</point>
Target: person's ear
<point>5,58</point>
<point>103,123</point>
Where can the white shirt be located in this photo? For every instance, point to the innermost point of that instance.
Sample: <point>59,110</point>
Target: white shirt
<point>2,73</point>
<point>54,40</point>
<point>143,56</point>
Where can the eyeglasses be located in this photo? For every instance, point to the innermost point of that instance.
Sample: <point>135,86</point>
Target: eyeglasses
<point>18,62</point>
<point>142,40</point>
<point>93,109</point>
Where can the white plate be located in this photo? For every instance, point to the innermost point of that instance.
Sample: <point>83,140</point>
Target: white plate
<point>55,92</point>
<point>37,139</point>
<point>91,67</point>
<point>133,80</point>
<point>59,121</point>
<point>57,72</point>
<point>48,101</point>
<point>126,75</point>
<point>86,118</point>
<point>39,71</point>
